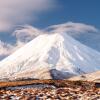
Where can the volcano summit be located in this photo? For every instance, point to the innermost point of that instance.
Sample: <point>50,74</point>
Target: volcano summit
<point>50,56</point>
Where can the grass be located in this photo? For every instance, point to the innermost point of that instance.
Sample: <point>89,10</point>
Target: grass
<point>57,83</point>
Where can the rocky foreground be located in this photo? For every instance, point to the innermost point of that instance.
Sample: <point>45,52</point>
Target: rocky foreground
<point>70,91</point>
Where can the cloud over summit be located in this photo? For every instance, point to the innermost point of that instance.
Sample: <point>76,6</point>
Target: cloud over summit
<point>74,29</point>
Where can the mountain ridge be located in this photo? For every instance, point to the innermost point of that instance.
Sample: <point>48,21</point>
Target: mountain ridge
<point>51,51</point>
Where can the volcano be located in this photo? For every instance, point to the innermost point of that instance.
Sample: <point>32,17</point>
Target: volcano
<point>50,56</point>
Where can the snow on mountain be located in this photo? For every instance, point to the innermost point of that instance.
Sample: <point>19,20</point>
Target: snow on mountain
<point>49,56</point>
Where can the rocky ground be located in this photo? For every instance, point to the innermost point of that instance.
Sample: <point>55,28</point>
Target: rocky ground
<point>76,91</point>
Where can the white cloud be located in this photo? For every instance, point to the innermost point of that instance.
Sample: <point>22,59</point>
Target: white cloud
<point>74,29</point>
<point>14,12</point>
<point>5,49</point>
<point>26,33</point>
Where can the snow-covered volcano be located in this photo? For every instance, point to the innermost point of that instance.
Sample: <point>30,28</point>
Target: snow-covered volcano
<point>50,56</point>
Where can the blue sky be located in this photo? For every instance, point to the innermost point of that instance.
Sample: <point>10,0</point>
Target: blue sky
<point>83,11</point>
<point>84,16</point>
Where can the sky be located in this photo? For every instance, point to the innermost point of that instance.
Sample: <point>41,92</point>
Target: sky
<point>21,20</point>
<point>83,11</point>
